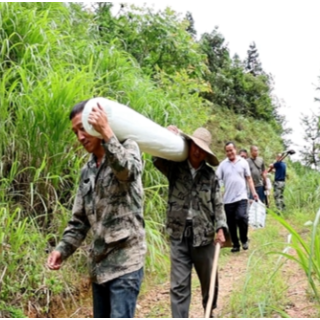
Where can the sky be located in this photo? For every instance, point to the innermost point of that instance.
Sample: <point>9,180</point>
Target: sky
<point>287,36</point>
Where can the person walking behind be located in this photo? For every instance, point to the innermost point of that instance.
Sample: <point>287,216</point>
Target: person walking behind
<point>257,169</point>
<point>109,201</point>
<point>194,215</point>
<point>243,153</point>
<point>234,172</point>
<point>279,182</point>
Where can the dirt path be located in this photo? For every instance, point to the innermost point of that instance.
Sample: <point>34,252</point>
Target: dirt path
<point>156,303</point>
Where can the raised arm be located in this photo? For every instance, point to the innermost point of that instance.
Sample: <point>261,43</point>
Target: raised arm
<point>124,159</point>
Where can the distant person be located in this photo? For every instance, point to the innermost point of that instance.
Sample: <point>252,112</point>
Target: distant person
<point>243,153</point>
<point>109,201</point>
<point>234,172</point>
<point>279,182</point>
<point>257,169</point>
<point>195,216</point>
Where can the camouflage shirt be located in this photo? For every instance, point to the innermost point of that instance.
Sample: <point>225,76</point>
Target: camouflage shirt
<point>200,195</point>
<point>109,201</point>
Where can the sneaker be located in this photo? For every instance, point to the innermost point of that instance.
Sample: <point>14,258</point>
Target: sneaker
<point>245,246</point>
<point>235,249</point>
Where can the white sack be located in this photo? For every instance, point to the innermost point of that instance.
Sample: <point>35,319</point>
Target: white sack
<point>129,124</point>
<point>257,214</point>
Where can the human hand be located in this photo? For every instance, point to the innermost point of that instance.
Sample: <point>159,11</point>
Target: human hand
<point>173,129</point>
<point>255,196</point>
<point>220,238</point>
<point>54,260</point>
<point>99,120</point>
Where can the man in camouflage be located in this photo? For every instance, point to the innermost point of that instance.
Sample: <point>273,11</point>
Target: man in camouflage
<point>194,215</point>
<point>279,182</point>
<point>109,201</point>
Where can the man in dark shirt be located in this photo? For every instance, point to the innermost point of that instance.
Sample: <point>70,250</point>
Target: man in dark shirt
<point>195,214</point>
<point>279,182</point>
<point>257,169</point>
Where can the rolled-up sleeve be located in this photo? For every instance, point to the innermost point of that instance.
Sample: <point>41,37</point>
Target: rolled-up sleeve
<point>124,159</point>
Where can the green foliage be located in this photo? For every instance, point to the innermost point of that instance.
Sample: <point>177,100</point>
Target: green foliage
<point>23,252</point>
<point>233,87</point>
<point>156,39</point>
<point>307,252</point>
<point>253,64</point>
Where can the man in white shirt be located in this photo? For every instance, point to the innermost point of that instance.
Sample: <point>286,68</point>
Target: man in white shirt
<point>234,172</point>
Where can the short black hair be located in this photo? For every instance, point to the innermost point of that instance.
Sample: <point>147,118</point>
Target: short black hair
<point>78,108</point>
<point>228,143</point>
<point>243,150</point>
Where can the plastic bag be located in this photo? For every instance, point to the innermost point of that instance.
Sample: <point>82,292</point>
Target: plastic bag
<point>129,124</point>
<point>257,214</point>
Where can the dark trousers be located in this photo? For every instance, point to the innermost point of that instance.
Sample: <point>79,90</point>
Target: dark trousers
<point>237,217</point>
<point>260,193</point>
<point>117,298</point>
<point>183,257</point>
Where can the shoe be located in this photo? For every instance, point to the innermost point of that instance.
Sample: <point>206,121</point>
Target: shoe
<point>235,249</point>
<point>245,246</point>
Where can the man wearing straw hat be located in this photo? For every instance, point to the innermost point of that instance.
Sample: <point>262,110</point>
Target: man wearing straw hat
<point>194,215</point>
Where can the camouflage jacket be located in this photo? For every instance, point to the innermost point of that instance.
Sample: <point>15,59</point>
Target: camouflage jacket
<point>109,201</point>
<point>201,195</point>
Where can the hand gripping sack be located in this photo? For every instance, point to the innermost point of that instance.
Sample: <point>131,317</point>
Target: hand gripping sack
<point>257,214</point>
<point>129,124</point>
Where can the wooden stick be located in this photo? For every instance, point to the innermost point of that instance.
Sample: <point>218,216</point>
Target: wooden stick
<point>213,280</point>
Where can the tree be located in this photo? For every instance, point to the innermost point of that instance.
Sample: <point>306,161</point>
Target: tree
<point>190,28</point>
<point>157,40</point>
<point>253,64</point>
<point>311,152</point>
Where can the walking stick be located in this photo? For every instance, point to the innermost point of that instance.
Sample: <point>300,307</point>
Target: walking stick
<point>212,280</point>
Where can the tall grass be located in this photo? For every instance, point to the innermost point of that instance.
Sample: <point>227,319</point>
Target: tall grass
<point>306,252</point>
<point>24,280</point>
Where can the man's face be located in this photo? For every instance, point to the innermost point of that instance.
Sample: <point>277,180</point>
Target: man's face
<point>254,152</point>
<point>231,152</point>
<point>196,154</point>
<point>90,143</point>
<point>243,155</point>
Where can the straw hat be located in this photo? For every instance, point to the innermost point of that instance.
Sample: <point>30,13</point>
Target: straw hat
<point>202,138</point>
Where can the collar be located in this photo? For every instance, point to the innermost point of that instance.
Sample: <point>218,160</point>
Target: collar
<point>92,163</point>
<point>238,158</point>
<point>192,168</point>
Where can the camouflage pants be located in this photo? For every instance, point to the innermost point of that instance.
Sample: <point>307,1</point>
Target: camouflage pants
<point>278,194</point>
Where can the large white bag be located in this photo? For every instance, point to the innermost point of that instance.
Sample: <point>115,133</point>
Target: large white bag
<point>129,124</point>
<point>257,214</point>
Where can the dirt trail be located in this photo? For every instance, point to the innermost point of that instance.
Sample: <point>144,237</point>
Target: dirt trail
<point>155,300</point>
<point>156,303</point>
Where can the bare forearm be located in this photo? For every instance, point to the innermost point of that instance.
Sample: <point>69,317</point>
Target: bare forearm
<point>251,185</point>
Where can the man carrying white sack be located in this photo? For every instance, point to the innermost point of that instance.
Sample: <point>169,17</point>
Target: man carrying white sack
<point>194,215</point>
<point>109,201</point>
